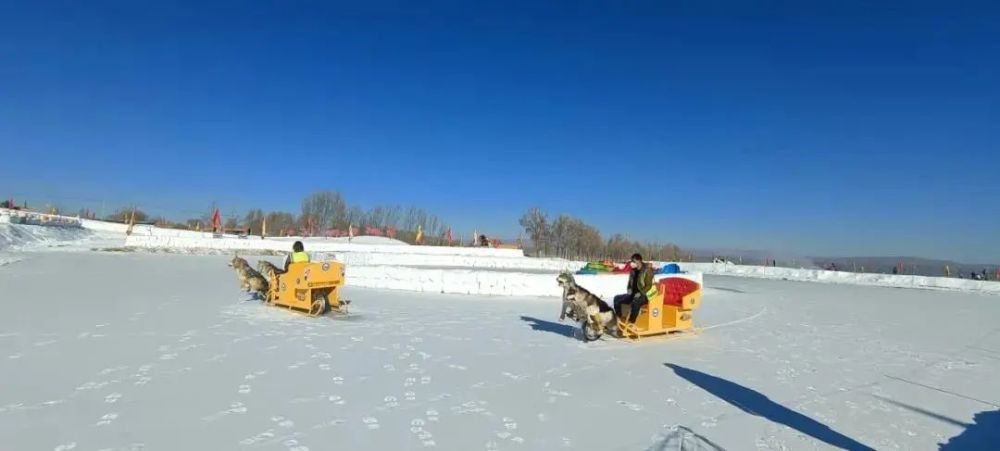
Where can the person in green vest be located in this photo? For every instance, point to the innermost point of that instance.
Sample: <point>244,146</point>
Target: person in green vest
<point>640,288</point>
<point>298,255</point>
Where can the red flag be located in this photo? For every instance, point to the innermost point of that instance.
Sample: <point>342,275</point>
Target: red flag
<point>450,240</point>
<point>216,221</point>
<point>391,231</point>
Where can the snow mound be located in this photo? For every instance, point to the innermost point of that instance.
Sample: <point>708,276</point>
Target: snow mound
<point>380,240</point>
<point>189,241</point>
<point>848,278</point>
<point>16,236</point>
<point>21,237</point>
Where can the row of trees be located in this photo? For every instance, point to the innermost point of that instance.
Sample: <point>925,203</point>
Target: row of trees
<point>328,210</point>
<point>319,212</point>
<point>569,237</point>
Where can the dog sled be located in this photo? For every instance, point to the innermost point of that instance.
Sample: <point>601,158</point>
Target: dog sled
<point>312,288</point>
<point>667,314</point>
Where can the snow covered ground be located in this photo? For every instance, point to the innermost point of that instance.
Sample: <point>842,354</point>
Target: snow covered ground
<point>20,238</point>
<point>160,352</point>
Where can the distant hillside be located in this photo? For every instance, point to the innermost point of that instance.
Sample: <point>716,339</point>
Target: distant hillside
<point>753,257</point>
<point>911,265</point>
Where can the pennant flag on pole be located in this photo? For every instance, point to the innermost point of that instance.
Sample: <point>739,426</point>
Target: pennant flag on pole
<point>420,234</point>
<point>263,227</point>
<point>131,222</point>
<point>216,222</point>
<point>450,240</point>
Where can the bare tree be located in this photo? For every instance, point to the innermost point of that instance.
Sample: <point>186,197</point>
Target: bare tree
<point>254,220</point>
<point>572,238</point>
<point>536,225</point>
<point>325,208</point>
<point>278,221</point>
<point>393,215</point>
<point>124,214</point>
<point>355,216</point>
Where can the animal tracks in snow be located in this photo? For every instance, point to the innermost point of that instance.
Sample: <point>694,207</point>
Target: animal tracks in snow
<point>371,423</point>
<point>426,437</point>
<point>630,406</point>
<point>107,419</point>
<point>282,421</point>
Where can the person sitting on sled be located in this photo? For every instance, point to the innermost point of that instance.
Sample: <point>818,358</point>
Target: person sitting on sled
<point>640,288</point>
<point>298,255</point>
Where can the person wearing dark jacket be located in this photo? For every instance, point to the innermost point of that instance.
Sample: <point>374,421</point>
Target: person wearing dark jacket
<point>640,287</point>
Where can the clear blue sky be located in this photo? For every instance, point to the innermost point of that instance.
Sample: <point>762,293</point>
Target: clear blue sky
<point>834,130</point>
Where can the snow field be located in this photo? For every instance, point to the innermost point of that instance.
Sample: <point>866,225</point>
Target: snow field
<point>158,352</point>
<point>427,268</point>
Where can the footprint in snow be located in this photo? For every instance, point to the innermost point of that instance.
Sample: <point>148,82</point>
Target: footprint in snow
<point>108,371</point>
<point>293,445</point>
<point>630,405</point>
<point>331,423</point>
<point>371,422</point>
<point>425,436</point>
<point>337,400</point>
<point>92,385</point>
<point>262,437</point>
<point>244,389</point>
<point>107,419</point>
<point>65,447</point>
<point>283,422</point>
<point>112,398</point>
<point>337,380</point>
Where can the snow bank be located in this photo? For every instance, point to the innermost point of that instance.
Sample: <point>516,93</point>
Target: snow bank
<point>151,230</point>
<point>141,229</point>
<point>251,244</point>
<point>464,281</point>
<point>824,276</point>
<point>456,261</point>
<point>365,239</point>
<point>17,236</point>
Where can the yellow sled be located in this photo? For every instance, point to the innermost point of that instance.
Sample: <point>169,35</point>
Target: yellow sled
<point>669,312</point>
<point>312,288</point>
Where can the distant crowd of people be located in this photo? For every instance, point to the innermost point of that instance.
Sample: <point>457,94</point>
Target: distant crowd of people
<point>981,275</point>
